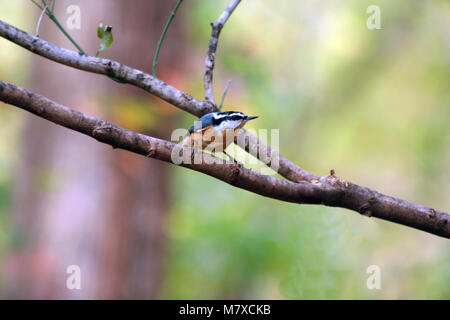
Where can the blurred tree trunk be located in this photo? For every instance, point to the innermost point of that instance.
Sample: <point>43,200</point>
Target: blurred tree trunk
<point>77,202</point>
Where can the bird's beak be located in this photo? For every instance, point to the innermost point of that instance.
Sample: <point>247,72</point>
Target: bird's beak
<point>250,118</point>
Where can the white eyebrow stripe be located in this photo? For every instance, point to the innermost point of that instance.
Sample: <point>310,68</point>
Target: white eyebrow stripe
<point>219,116</point>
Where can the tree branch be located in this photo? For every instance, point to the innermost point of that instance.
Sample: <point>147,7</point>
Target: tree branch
<point>327,190</point>
<point>105,67</point>
<point>40,20</point>
<point>212,47</point>
<point>286,168</point>
<point>138,78</point>
<point>51,15</point>
<point>250,143</point>
<point>117,137</point>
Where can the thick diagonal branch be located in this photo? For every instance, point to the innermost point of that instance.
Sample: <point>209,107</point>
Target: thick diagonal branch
<point>132,76</point>
<point>212,47</point>
<point>328,190</point>
<point>106,67</point>
<point>261,150</point>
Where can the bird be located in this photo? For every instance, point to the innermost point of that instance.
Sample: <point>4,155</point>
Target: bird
<point>215,131</point>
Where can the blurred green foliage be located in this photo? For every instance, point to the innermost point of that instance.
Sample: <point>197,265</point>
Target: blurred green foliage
<point>10,122</point>
<point>372,104</point>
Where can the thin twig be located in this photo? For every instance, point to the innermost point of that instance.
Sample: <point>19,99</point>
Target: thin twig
<point>224,94</point>
<point>55,20</point>
<point>37,4</point>
<point>212,47</point>
<point>52,17</point>
<point>163,35</point>
<point>40,20</point>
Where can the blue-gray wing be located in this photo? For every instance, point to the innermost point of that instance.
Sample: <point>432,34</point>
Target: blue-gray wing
<point>205,121</point>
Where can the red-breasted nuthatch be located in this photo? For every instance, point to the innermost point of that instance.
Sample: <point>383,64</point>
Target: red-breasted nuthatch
<point>216,130</point>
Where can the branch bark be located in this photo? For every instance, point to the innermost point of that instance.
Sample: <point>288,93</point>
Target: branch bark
<point>327,190</point>
<point>212,47</point>
<point>105,67</point>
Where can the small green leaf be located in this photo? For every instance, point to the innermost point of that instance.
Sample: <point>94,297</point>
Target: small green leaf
<point>105,34</point>
<point>100,32</point>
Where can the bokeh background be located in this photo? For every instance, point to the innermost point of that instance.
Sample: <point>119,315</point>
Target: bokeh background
<point>372,104</point>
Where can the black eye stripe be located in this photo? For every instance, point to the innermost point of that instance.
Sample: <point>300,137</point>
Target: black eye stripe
<point>216,118</point>
<point>235,117</point>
